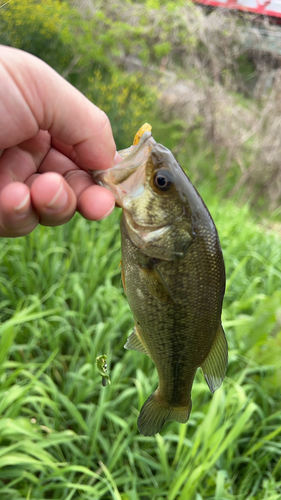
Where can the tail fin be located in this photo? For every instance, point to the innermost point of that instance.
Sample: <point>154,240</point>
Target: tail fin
<point>155,412</point>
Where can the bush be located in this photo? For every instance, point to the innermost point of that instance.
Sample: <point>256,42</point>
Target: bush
<point>83,52</point>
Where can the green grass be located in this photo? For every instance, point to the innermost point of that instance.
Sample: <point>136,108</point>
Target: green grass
<point>64,436</point>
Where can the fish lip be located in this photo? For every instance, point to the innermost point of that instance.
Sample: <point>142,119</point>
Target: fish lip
<point>126,158</point>
<point>135,149</point>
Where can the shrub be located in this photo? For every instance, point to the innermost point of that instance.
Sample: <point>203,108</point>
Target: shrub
<point>83,52</point>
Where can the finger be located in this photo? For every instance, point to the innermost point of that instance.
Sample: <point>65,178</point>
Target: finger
<point>70,153</point>
<point>95,203</point>
<point>55,161</point>
<point>17,216</point>
<point>80,181</point>
<point>117,158</point>
<point>53,199</point>
<point>44,100</point>
<point>19,162</point>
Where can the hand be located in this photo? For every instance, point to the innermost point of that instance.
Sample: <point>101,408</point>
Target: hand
<point>50,135</point>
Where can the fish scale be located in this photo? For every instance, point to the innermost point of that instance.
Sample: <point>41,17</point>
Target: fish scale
<point>173,274</point>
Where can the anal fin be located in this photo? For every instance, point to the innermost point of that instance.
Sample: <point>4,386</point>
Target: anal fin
<point>215,365</point>
<point>135,342</point>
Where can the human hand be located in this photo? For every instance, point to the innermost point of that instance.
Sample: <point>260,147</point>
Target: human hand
<point>50,135</point>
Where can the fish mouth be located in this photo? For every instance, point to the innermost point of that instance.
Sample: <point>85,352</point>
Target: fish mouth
<point>133,158</point>
<point>132,151</point>
<point>127,180</point>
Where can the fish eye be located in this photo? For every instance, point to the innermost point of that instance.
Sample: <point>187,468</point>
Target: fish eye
<point>163,180</point>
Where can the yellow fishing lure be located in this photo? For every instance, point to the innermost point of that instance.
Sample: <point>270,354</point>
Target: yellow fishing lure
<point>144,128</point>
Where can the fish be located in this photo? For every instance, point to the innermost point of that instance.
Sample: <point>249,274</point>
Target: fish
<point>173,274</point>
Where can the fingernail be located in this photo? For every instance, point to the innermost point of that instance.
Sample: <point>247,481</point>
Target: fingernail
<point>109,212</point>
<point>24,206</point>
<point>59,200</point>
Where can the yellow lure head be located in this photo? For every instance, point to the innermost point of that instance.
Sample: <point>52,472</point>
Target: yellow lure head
<point>144,128</point>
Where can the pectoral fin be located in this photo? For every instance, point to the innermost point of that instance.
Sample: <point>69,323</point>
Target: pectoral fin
<point>156,283</point>
<point>215,365</point>
<point>135,342</point>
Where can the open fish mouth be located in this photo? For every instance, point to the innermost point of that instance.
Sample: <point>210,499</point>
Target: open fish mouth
<point>129,181</point>
<point>133,158</point>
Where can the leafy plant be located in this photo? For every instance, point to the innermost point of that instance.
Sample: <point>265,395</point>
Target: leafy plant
<point>63,435</point>
<point>85,52</point>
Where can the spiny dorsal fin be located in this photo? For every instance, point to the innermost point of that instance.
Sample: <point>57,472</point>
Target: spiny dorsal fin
<point>135,343</point>
<point>215,365</point>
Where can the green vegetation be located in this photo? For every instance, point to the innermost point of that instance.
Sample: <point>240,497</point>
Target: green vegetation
<point>168,61</point>
<point>62,434</point>
<point>85,52</point>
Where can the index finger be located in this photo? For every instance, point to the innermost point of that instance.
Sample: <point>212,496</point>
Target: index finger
<point>42,99</point>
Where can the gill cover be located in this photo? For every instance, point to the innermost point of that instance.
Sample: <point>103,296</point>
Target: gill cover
<point>149,185</point>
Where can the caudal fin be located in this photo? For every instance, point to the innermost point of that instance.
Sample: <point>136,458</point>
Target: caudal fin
<point>155,413</point>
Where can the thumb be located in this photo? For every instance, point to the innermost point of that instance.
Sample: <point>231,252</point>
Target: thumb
<point>42,99</point>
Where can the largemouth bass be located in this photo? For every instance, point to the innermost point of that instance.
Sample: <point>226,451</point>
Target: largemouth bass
<point>173,274</point>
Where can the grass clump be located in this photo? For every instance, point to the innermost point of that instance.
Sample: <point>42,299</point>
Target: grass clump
<point>64,436</point>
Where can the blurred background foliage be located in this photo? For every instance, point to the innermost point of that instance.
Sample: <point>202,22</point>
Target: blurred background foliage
<point>212,96</point>
<point>201,77</point>
<point>85,52</point>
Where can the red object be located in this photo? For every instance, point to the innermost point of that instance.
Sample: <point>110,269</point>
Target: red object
<point>264,7</point>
